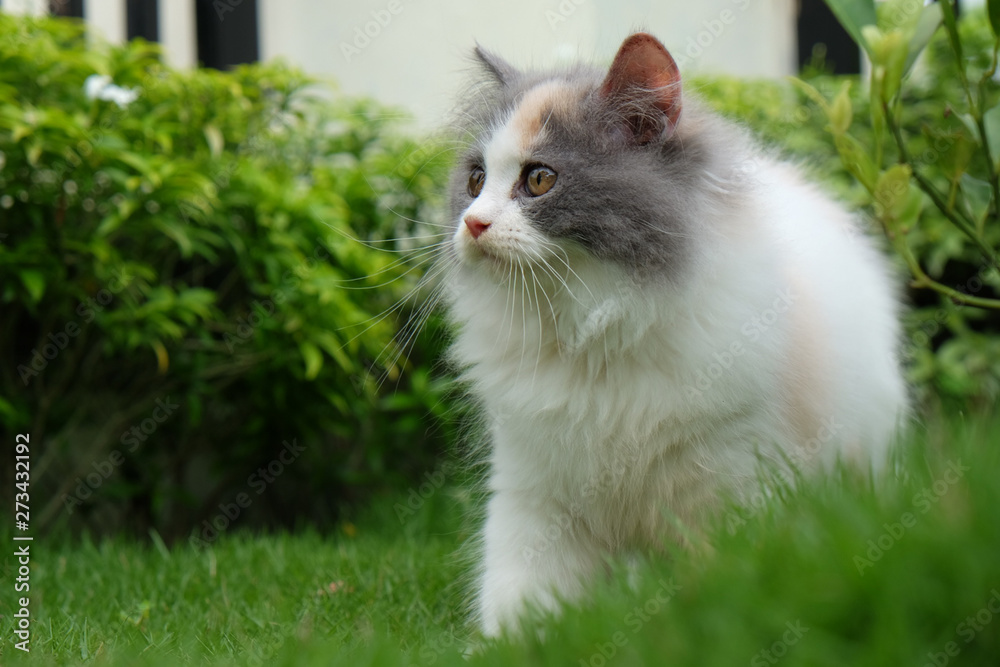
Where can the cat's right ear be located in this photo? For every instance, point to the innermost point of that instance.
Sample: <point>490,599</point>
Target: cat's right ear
<point>643,88</point>
<point>498,69</point>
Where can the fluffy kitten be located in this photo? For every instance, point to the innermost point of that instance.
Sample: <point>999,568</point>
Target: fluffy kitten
<point>646,305</point>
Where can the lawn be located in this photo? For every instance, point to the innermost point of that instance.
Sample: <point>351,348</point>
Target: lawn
<point>838,572</point>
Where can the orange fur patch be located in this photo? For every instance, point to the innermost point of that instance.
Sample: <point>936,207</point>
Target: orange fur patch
<point>805,374</point>
<point>541,102</point>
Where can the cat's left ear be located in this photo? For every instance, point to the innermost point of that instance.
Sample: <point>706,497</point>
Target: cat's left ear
<point>644,87</point>
<point>498,68</point>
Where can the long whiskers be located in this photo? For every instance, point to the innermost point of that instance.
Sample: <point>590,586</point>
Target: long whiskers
<point>416,322</point>
<point>421,255</point>
<point>370,244</point>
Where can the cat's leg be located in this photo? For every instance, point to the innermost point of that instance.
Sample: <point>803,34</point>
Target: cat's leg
<point>534,551</point>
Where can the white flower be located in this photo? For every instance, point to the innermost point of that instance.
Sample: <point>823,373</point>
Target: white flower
<point>94,84</point>
<point>100,87</point>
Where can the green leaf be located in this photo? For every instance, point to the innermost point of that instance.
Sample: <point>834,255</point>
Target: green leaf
<point>872,35</point>
<point>993,9</point>
<point>127,207</point>
<point>215,140</point>
<point>948,14</point>
<point>34,153</point>
<point>136,161</point>
<point>177,232</point>
<point>34,282</point>
<point>854,15</point>
<point>841,113</point>
<point>335,350</point>
<point>991,124</point>
<point>970,124</point>
<point>811,93</point>
<point>892,192</point>
<point>957,155</point>
<point>8,411</point>
<point>927,25</point>
<point>313,358</point>
<point>20,132</point>
<point>977,196</point>
<point>109,224</point>
<point>898,14</point>
<point>910,209</point>
<point>896,48</point>
<point>856,159</point>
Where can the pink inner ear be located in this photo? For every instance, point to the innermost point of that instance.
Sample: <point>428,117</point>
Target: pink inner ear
<point>642,62</point>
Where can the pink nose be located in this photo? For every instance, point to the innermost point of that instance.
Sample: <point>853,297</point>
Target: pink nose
<point>476,226</point>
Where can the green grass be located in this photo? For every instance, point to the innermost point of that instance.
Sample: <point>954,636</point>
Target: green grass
<point>794,583</point>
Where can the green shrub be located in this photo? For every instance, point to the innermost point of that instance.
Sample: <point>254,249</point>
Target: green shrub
<point>182,292</point>
<point>926,156</point>
<point>952,348</point>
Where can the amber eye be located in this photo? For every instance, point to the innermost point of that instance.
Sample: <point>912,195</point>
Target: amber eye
<point>476,179</point>
<point>540,180</point>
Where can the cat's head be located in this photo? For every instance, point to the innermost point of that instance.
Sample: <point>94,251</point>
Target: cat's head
<point>607,165</point>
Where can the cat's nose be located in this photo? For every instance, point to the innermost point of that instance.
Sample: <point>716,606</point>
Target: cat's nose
<point>475,225</point>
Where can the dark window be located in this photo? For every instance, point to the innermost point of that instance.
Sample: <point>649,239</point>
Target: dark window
<point>141,20</point>
<point>819,30</point>
<point>73,8</point>
<point>227,32</point>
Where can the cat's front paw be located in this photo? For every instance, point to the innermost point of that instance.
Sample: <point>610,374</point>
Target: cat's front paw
<point>526,563</point>
<point>502,612</point>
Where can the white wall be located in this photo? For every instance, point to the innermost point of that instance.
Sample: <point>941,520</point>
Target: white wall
<point>413,52</point>
<point>35,7</point>
<point>108,16</point>
<point>178,32</point>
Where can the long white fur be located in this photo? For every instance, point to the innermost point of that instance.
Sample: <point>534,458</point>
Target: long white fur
<point>611,402</point>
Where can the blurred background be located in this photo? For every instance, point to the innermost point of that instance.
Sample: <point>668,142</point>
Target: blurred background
<point>215,216</point>
<point>413,54</point>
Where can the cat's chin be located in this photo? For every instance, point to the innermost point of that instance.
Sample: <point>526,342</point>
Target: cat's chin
<point>481,257</point>
<point>496,269</point>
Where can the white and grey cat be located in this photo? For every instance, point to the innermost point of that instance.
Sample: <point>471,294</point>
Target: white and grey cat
<point>646,306</point>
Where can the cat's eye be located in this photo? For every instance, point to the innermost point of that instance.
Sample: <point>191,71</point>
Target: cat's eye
<point>476,179</point>
<point>540,180</point>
